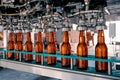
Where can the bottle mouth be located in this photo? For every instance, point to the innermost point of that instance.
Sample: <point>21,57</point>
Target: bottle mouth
<point>17,31</point>
<point>50,29</point>
<point>27,30</point>
<point>66,29</point>
<point>99,27</point>
<point>9,31</point>
<point>38,30</point>
<point>81,28</point>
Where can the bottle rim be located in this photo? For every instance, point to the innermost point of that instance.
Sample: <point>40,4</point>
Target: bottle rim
<point>81,28</point>
<point>66,29</point>
<point>50,29</point>
<point>38,30</point>
<point>99,27</point>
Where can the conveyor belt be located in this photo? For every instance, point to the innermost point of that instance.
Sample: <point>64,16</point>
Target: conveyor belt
<point>58,73</point>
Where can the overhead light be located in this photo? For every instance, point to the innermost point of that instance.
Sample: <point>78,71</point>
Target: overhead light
<point>106,10</point>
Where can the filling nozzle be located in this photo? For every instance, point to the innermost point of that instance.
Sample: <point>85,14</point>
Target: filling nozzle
<point>38,28</point>
<point>66,28</point>
<point>87,2</point>
<point>100,24</point>
<point>51,29</point>
<point>81,28</point>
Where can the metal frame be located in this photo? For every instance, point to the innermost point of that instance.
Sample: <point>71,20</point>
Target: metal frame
<point>63,74</point>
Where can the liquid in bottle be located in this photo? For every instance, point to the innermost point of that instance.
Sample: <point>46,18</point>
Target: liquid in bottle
<point>38,46</point>
<point>51,49</point>
<point>65,49</point>
<point>82,51</point>
<point>19,44</point>
<point>28,47</point>
<point>10,45</point>
<point>101,52</point>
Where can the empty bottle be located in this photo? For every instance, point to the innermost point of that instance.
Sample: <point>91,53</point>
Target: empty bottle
<point>38,46</point>
<point>101,52</point>
<point>65,49</point>
<point>19,44</point>
<point>51,49</point>
<point>28,47</point>
<point>10,45</point>
<point>82,51</point>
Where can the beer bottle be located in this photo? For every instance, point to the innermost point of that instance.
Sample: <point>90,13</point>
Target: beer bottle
<point>38,46</point>
<point>10,45</point>
<point>65,49</point>
<point>82,51</point>
<point>15,39</point>
<point>19,45</point>
<point>28,47</point>
<point>101,52</point>
<point>51,49</point>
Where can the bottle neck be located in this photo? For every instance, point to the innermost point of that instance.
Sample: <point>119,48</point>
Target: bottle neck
<point>101,36</point>
<point>82,36</point>
<point>65,37</point>
<point>19,36</point>
<point>28,36</point>
<point>39,37</point>
<point>51,36</point>
<point>11,38</point>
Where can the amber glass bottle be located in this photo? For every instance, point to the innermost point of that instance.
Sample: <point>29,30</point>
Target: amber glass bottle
<point>19,45</point>
<point>15,40</point>
<point>101,52</point>
<point>39,46</point>
<point>65,49</point>
<point>10,45</point>
<point>51,49</point>
<point>28,47</point>
<point>82,51</point>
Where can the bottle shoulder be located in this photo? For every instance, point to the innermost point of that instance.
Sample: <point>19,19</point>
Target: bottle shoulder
<point>101,45</point>
<point>66,45</point>
<point>51,43</point>
<point>38,44</point>
<point>28,42</point>
<point>10,42</point>
<point>82,44</point>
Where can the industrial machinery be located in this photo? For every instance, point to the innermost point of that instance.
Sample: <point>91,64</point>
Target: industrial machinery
<point>25,25</point>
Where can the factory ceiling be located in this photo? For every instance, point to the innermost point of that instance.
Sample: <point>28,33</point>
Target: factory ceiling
<point>38,7</point>
<point>114,6</point>
<point>5,7</point>
<point>15,6</point>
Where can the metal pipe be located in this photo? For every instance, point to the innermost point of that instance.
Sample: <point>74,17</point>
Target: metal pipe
<point>109,68</point>
<point>54,15</point>
<point>87,4</point>
<point>71,65</point>
<point>23,12</point>
<point>85,12</point>
<point>20,57</point>
<point>3,55</point>
<point>42,60</point>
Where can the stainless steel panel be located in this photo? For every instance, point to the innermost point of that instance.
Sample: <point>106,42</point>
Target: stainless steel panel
<point>54,72</point>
